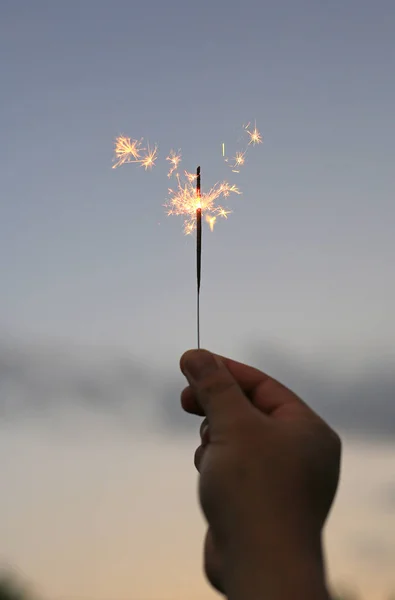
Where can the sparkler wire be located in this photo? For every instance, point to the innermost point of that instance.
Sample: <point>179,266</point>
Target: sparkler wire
<point>198,251</point>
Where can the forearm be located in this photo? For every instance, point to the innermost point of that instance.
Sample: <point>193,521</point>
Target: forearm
<point>283,574</point>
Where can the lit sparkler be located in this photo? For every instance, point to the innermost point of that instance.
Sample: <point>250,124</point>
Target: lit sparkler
<point>187,199</point>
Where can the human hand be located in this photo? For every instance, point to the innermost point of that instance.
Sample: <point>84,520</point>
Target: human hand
<point>269,470</point>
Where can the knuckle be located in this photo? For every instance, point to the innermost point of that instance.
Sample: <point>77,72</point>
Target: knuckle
<point>215,386</point>
<point>337,442</point>
<point>203,425</point>
<point>198,456</point>
<point>333,436</point>
<point>333,444</point>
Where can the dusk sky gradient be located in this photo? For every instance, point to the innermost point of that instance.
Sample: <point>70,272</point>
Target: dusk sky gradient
<point>98,284</point>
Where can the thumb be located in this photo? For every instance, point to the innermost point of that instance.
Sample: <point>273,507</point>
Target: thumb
<point>216,390</point>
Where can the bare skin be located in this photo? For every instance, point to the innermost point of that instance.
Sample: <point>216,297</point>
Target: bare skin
<point>269,470</point>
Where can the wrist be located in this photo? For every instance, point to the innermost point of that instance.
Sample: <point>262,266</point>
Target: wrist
<point>288,569</point>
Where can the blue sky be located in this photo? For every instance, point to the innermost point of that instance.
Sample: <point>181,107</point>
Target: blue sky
<point>88,257</point>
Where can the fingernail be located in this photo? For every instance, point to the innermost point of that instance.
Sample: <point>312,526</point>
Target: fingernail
<point>199,364</point>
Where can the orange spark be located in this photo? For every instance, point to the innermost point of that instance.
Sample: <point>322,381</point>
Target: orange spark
<point>211,221</point>
<point>190,176</point>
<point>239,160</point>
<point>183,201</point>
<point>255,136</point>
<point>148,160</point>
<point>174,160</point>
<point>126,151</point>
<point>224,213</point>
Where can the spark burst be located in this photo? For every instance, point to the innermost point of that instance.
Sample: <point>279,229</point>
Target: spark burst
<point>148,160</point>
<point>129,151</point>
<point>126,151</point>
<point>239,160</point>
<point>255,136</point>
<point>183,201</point>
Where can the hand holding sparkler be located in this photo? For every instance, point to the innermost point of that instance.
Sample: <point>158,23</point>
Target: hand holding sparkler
<point>269,470</point>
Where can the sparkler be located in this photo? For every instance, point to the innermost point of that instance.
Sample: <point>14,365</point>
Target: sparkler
<point>186,199</point>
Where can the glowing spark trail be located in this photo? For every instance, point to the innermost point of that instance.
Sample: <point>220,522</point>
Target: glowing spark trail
<point>174,160</point>
<point>211,222</point>
<point>253,137</point>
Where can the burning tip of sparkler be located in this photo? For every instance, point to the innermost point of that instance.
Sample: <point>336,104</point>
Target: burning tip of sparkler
<point>185,201</point>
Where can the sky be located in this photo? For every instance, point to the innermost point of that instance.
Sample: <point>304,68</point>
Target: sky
<point>98,283</point>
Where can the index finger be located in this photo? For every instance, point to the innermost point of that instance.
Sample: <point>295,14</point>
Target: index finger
<point>216,390</point>
<point>247,377</point>
<point>267,394</point>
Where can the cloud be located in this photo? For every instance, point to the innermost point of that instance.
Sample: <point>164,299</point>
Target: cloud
<point>373,550</point>
<point>42,379</point>
<point>387,498</point>
<point>358,399</point>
